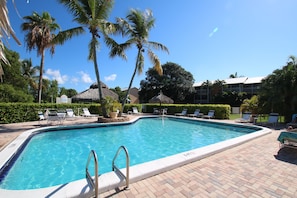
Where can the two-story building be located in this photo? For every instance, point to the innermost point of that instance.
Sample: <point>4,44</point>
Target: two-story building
<point>241,84</point>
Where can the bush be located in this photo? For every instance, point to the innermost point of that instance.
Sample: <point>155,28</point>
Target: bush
<point>25,112</point>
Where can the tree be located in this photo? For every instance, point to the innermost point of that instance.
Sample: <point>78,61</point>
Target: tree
<point>250,105</point>
<point>278,92</point>
<point>93,15</point>
<point>40,31</point>
<point>12,71</point>
<point>9,93</point>
<point>233,75</point>
<point>5,32</point>
<point>51,90</point>
<point>136,27</point>
<point>176,83</point>
<point>120,93</point>
<point>29,73</point>
<point>68,92</point>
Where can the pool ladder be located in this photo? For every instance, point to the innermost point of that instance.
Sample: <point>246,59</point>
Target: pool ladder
<point>95,182</point>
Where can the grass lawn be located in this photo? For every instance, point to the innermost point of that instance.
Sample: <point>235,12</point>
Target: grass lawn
<point>262,118</point>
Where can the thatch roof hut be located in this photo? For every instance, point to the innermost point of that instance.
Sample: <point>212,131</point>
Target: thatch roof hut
<point>161,98</point>
<point>92,94</point>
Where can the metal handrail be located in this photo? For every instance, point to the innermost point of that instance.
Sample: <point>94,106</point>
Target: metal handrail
<point>88,176</point>
<point>127,165</point>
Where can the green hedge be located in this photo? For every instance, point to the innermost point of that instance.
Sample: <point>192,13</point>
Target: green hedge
<point>222,111</point>
<point>24,112</point>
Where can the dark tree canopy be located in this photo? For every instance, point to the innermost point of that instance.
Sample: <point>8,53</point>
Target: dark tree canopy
<point>279,91</point>
<point>12,72</point>
<point>176,83</point>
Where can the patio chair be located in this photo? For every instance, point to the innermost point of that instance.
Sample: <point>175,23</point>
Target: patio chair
<point>53,115</point>
<point>183,113</point>
<point>196,114</point>
<point>273,119</point>
<point>156,111</point>
<point>293,122</point>
<point>135,110</point>
<point>246,118</point>
<point>41,115</point>
<point>70,113</point>
<point>288,139</point>
<point>163,111</point>
<point>86,113</point>
<point>211,114</point>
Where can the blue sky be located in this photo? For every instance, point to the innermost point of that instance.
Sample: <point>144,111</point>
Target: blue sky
<point>209,38</point>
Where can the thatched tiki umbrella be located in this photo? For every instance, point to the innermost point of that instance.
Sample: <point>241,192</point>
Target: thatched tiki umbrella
<point>161,98</point>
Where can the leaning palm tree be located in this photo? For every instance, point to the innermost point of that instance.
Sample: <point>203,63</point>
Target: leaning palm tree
<point>93,15</point>
<point>40,31</point>
<point>136,27</point>
<point>5,30</point>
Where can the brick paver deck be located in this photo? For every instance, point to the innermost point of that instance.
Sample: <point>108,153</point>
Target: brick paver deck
<point>255,169</point>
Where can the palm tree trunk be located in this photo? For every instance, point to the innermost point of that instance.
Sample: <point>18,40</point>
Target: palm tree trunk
<point>99,83</point>
<point>131,81</point>
<point>40,77</point>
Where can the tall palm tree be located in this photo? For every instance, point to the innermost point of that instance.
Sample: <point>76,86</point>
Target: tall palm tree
<point>93,15</point>
<point>136,27</point>
<point>40,31</point>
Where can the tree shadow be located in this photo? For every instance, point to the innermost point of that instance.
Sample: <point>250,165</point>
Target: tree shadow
<point>287,155</point>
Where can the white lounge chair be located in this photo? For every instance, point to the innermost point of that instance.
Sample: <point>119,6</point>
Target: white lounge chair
<point>183,113</point>
<point>70,114</point>
<point>156,111</point>
<point>211,114</point>
<point>86,113</point>
<point>196,114</point>
<point>135,110</point>
<point>41,115</point>
<point>246,118</point>
<point>53,115</point>
<point>273,118</point>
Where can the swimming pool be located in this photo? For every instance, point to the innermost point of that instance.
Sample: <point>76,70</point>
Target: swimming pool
<point>169,137</point>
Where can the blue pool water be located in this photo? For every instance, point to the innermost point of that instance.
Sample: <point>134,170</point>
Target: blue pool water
<point>57,157</point>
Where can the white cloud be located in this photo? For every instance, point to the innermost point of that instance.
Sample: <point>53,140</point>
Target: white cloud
<point>85,77</point>
<point>111,77</point>
<point>74,80</point>
<point>56,75</point>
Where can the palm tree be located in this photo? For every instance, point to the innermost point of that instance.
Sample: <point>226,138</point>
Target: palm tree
<point>233,75</point>
<point>292,60</point>
<point>29,72</point>
<point>39,35</point>
<point>5,30</point>
<point>137,28</point>
<point>93,15</point>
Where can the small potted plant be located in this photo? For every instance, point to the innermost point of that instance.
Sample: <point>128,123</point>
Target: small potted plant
<point>112,107</point>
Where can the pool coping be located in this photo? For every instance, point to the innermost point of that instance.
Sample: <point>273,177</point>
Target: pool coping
<point>111,180</point>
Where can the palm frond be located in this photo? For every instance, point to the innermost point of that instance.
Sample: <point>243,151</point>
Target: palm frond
<point>156,62</point>
<point>158,46</point>
<point>5,30</point>
<point>93,46</point>
<point>116,49</point>
<point>63,36</point>
<point>140,63</point>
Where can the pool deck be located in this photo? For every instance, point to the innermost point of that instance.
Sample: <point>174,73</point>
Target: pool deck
<point>258,168</point>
